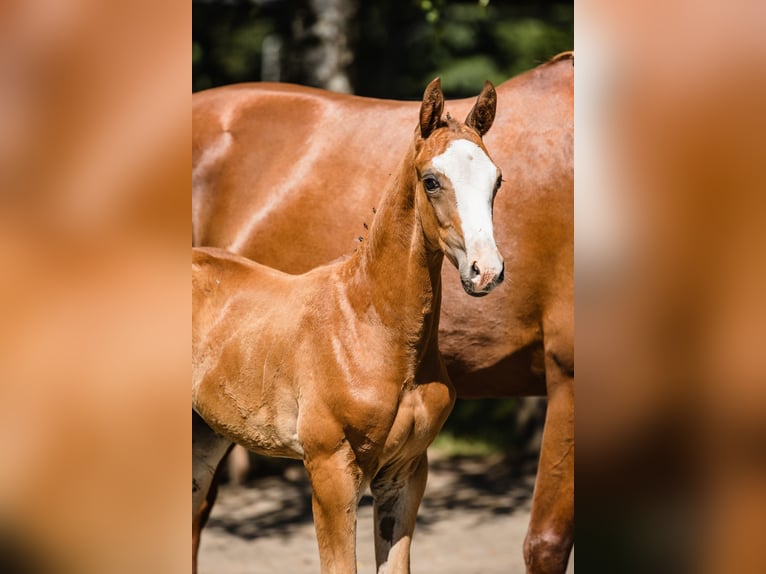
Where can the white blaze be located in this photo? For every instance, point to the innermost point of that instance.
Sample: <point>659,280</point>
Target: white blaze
<point>473,176</point>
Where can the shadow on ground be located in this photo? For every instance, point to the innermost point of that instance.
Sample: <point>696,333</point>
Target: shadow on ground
<point>478,484</point>
<point>274,505</point>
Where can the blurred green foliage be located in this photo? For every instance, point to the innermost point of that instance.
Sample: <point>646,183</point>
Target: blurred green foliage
<point>226,43</point>
<point>480,426</point>
<point>399,45</point>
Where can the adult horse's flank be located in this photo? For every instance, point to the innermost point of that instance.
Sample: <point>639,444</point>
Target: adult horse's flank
<point>340,366</point>
<point>287,175</point>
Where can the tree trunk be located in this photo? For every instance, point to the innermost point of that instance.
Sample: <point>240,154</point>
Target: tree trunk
<point>321,55</point>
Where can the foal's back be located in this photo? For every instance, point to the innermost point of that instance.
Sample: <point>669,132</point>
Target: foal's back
<point>231,293</point>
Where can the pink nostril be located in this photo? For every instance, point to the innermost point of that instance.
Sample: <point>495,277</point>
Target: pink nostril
<point>475,271</point>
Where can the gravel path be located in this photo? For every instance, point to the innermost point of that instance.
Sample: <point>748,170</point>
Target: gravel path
<point>472,521</point>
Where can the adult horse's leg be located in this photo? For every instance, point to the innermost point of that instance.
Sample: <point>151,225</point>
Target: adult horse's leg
<point>336,484</point>
<point>208,448</point>
<point>551,528</point>
<point>397,493</point>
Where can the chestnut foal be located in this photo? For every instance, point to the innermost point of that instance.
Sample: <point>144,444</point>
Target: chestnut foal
<point>340,366</point>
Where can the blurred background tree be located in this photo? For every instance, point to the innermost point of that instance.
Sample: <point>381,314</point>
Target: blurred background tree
<point>392,49</point>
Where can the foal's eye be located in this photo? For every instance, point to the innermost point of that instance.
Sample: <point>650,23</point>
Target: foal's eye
<point>498,183</point>
<point>431,184</point>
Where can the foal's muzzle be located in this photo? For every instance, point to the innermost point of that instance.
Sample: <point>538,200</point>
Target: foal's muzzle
<point>483,278</point>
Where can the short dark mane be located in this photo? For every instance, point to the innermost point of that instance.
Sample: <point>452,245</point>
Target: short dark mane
<point>452,123</point>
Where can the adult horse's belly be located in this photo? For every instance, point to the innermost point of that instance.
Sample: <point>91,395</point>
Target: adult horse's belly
<point>489,352</point>
<point>289,176</point>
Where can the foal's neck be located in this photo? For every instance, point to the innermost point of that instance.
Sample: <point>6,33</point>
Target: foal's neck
<point>394,269</point>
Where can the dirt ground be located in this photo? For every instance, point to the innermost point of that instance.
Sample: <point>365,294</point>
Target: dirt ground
<point>472,521</point>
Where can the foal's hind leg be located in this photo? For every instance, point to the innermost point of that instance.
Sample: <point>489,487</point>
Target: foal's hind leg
<point>397,493</point>
<point>208,448</point>
<point>200,518</point>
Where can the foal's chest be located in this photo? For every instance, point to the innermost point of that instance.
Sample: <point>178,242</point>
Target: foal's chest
<point>422,410</point>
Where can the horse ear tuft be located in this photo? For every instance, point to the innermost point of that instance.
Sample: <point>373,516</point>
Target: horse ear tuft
<point>482,114</point>
<point>431,108</point>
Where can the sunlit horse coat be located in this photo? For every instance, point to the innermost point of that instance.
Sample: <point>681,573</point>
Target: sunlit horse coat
<point>340,366</point>
<point>264,158</point>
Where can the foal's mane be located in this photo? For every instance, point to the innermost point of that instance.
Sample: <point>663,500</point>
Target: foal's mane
<point>452,123</point>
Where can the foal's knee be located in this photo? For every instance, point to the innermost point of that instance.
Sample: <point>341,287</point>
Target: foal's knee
<point>547,553</point>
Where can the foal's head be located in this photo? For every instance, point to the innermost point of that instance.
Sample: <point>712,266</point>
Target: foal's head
<point>457,183</point>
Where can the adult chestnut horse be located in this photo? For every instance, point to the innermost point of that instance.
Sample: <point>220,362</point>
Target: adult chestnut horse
<point>288,175</point>
<point>340,366</point>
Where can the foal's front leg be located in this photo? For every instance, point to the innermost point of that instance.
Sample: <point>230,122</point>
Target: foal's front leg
<point>336,483</point>
<point>397,493</point>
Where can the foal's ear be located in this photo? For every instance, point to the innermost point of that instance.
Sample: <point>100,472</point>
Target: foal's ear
<point>431,108</point>
<point>482,115</point>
